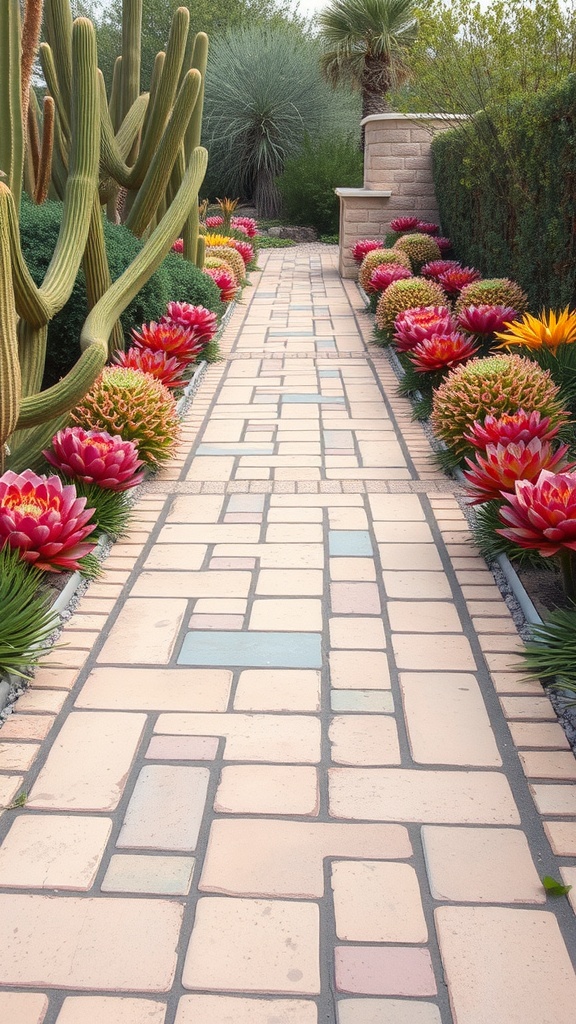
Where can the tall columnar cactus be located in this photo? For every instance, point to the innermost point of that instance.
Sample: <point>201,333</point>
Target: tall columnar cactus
<point>28,415</point>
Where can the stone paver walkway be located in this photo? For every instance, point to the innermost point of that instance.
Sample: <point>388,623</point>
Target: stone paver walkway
<point>284,770</point>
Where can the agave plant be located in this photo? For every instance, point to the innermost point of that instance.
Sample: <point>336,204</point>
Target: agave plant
<point>551,653</point>
<point>496,472</point>
<point>27,620</point>
<point>95,457</point>
<point>44,520</point>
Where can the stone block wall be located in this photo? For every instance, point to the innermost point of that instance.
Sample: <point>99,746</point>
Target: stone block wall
<point>397,179</point>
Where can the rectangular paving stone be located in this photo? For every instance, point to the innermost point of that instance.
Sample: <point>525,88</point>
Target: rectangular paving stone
<point>160,689</point>
<point>361,670</point>
<point>554,799</point>
<point>350,543</point>
<point>27,727</point>
<point>489,956</point>
<point>151,626</point>
<point>111,1010</point>
<point>23,1007</point>
<point>355,632</point>
<point>407,584</point>
<point>140,873</point>
<point>54,851</point>
<point>364,740</point>
<point>448,651</point>
<point>264,946</point>
<point>286,614</point>
<point>422,557</point>
<point>447,721</point>
<point>384,970</point>
<point>278,690</point>
<point>103,943</point>
<point>377,901</point>
<point>374,701</point>
<point>392,1011</point>
<point>361,598</point>
<point>88,765</point>
<point>562,837</point>
<point>279,739</point>
<point>166,808</point>
<point>268,789</point>
<point>252,649</point>
<point>18,756</point>
<point>237,1010</point>
<point>481,865</point>
<point>435,797</point>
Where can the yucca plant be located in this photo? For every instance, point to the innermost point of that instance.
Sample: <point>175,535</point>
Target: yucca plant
<point>551,654</point>
<point>112,509</point>
<point>27,621</point>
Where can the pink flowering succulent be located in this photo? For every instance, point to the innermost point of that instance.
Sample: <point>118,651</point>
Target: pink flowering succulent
<point>434,268</point>
<point>246,224</point>
<point>511,427</point>
<point>167,369</point>
<point>244,248</point>
<point>484,320</point>
<point>427,228</point>
<point>403,224</point>
<point>170,338</point>
<point>442,351</point>
<point>455,279</point>
<point>225,281</point>
<point>178,245</point>
<point>214,222</point>
<point>202,322</point>
<point>497,472</point>
<point>414,325</point>
<point>44,520</point>
<point>541,515</point>
<point>384,275</point>
<point>95,457</point>
<point>443,243</point>
<point>363,246</point>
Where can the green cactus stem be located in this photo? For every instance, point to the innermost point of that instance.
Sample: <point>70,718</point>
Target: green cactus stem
<point>190,232</point>
<point>12,133</point>
<point>131,48</point>
<point>58,31</point>
<point>10,383</point>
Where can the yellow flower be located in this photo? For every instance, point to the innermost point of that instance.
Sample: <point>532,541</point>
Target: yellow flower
<point>549,330</point>
<point>217,239</point>
<point>227,205</point>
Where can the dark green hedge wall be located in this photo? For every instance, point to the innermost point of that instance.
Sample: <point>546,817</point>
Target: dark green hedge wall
<point>506,190</point>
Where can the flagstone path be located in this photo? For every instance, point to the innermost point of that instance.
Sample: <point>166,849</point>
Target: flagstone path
<point>284,770</point>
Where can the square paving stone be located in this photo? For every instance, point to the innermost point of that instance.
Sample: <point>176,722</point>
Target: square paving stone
<point>166,808</point>
<point>387,1011</point>
<point>488,865</point>
<point>53,851</point>
<point>166,876</point>
<point>267,789</point>
<point>252,649</point>
<point>377,901</point>
<point>364,740</point>
<point>23,1007</point>
<point>103,943</point>
<point>236,1010</point>
<point>248,945</point>
<point>350,543</point>
<point>384,970</point>
<point>111,1010</point>
<point>376,701</point>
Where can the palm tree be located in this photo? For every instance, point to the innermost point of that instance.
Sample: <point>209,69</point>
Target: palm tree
<point>365,44</point>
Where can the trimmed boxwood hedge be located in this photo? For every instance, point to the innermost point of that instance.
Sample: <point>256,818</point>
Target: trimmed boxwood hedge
<point>506,189</point>
<point>176,280</point>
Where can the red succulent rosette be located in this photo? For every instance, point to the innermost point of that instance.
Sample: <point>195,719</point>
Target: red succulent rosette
<point>178,245</point>
<point>202,322</point>
<point>165,368</point>
<point>244,248</point>
<point>515,426</point>
<point>225,281</point>
<point>403,224</point>
<point>95,457</point>
<point>485,319</point>
<point>169,338</point>
<point>427,228</point>
<point>456,278</point>
<point>44,520</point>
<point>384,275</point>
<point>214,222</point>
<point>414,325</point>
<point>246,224</point>
<point>434,268</point>
<point>541,515</point>
<point>443,243</point>
<point>441,352</point>
<point>364,246</point>
<point>497,472</point>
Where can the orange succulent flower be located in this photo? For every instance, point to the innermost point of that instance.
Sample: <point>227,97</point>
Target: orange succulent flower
<point>549,330</point>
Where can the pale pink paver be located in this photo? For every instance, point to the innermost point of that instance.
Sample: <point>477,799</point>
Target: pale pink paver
<point>237,1010</point>
<point>53,851</point>
<point>111,1010</point>
<point>23,1007</point>
<point>377,901</point>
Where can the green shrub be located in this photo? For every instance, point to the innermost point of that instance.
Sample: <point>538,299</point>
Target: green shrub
<point>309,179</point>
<point>175,280</point>
<point>506,191</point>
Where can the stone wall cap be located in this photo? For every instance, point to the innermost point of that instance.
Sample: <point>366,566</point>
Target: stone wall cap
<point>375,193</point>
<point>414,117</point>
